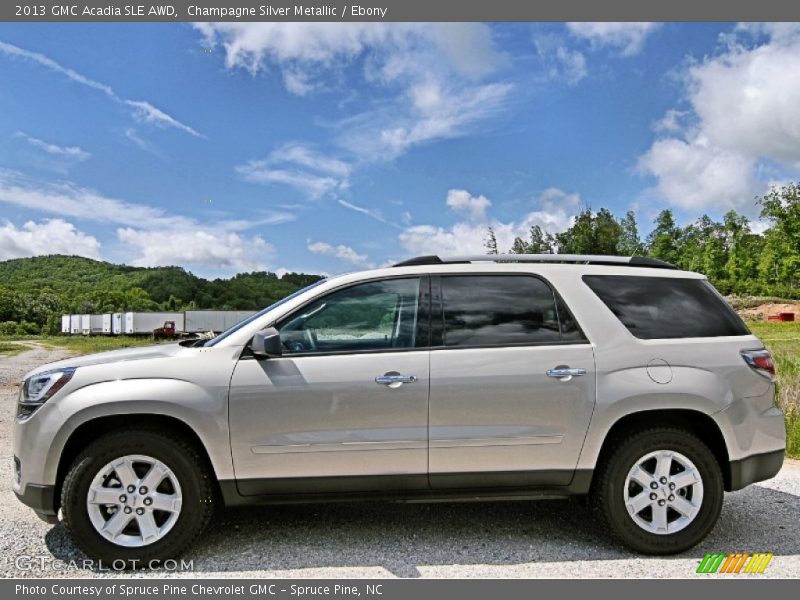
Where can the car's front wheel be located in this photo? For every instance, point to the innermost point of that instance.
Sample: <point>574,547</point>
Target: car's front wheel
<point>660,490</point>
<point>136,498</point>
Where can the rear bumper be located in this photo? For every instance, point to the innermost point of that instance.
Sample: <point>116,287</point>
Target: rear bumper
<point>757,467</point>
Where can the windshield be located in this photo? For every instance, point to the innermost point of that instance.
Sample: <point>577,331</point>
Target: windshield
<point>260,314</point>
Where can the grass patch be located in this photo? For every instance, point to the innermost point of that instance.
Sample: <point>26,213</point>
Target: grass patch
<point>7,349</point>
<point>783,340</point>
<point>78,343</point>
<point>89,344</point>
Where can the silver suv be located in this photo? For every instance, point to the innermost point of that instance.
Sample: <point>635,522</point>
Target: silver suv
<point>489,376</point>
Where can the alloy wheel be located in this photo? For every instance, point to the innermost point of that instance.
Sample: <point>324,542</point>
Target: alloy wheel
<point>663,492</point>
<point>134,500</point>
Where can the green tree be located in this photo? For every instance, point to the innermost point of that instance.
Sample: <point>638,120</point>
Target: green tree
<point>780,261</point>
<point>663,241</point>
<point>629,243</point>
<point>490,243</point>
<point>591,234</point>
<point>538,242</point>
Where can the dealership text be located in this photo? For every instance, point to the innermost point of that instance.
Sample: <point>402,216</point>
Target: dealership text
<point>198,589</point>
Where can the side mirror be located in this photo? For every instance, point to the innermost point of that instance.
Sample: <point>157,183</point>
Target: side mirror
<point>267,343</point>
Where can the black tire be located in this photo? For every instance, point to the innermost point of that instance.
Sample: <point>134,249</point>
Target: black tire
<point>609,485</point>
<point>180,456</point>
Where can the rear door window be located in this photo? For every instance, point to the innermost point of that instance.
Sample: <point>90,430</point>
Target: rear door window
<point>500,310</point>
<point>666,307</point>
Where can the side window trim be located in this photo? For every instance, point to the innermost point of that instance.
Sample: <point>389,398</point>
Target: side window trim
<point>437,309</point>
<point>423,327</point>
<point>561,302</point>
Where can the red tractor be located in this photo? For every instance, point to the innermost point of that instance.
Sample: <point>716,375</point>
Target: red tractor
<point>166,331</point>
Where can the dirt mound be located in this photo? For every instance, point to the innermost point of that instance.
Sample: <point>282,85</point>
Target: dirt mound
<point>761,312</point>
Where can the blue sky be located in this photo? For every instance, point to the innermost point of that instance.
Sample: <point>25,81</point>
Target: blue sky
<point>333,147</point>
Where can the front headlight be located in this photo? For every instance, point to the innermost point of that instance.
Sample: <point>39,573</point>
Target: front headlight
<point>39,388</point>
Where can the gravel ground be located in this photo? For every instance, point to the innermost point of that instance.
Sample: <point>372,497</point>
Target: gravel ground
<point>548,538</point>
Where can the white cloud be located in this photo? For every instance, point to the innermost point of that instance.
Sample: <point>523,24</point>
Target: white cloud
<point>461,201</point>
<point>693,174</point>
<point>51,236</point>
<point>745,114</point>
<point>153,235</point>
<point>215,249</point>
<point>572,65</point>
<point>342,252</point>
<point>370,212</point>
<point>72,153</point>
<point>68,200</point>
<point>671,122</point>
<point>430,113</point>
<point>555,214</point>
<point>147,113</point>
<point>748,100</point>
<point>312,185</point>
<point>466,48</point>
<point>628,38</point>
<point>143,111</point>
<point>430,73</point>
<point>560,62</point>
<point>775,31</point>
<point>306,157</point>
<point>133,136</point>
<point>45,61</point>
<point>554,197</point>
<point>298,82</point>
<point>300,167</point>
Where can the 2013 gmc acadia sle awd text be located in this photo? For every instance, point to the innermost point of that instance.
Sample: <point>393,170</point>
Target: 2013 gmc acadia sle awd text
<point>481,377</point>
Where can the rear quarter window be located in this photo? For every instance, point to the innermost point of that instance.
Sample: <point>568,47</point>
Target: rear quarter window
<point>666,307</point>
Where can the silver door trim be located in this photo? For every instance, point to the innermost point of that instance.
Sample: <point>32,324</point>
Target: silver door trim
<point>338,447</point>
<point>534,440</point>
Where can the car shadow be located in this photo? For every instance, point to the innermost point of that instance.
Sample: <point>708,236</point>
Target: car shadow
<point>398,537</point>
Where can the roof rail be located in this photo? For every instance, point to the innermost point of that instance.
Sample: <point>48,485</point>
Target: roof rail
<point>585,259</point>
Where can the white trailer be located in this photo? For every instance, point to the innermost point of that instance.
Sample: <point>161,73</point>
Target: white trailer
<point>116,323</point>
<point>75,324</point>
<point>202,321</point>
<point>65,328</point>
<point>96,324</point>
<point>86,324</point>
<point>106,324</point>
<point>140,323</point>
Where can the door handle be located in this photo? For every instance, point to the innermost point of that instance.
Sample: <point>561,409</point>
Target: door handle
<point>565,373</point>
<point>395,380</point>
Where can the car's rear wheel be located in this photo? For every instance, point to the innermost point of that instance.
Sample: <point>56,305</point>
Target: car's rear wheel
<point>660,490</point>
<point>136,497</point>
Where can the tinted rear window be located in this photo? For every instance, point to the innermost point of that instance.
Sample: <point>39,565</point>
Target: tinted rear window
<point>666,307</point>
<point>496,310</point>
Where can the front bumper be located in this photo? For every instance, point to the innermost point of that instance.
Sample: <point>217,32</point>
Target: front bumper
<point>41,498</point>
<point>757,467</point>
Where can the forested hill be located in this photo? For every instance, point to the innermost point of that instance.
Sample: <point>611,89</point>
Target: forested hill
<point>34,292</point>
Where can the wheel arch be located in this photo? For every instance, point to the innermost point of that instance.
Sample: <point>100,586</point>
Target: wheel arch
<point>93,429</point>
<point>698,423</point>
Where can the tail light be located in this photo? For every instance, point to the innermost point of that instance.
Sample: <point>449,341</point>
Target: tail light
<point>761,362</point>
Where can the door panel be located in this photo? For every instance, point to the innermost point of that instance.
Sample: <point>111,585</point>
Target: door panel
<point>316,419</point>
<point>498,419</point>
<point>325,418</point>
